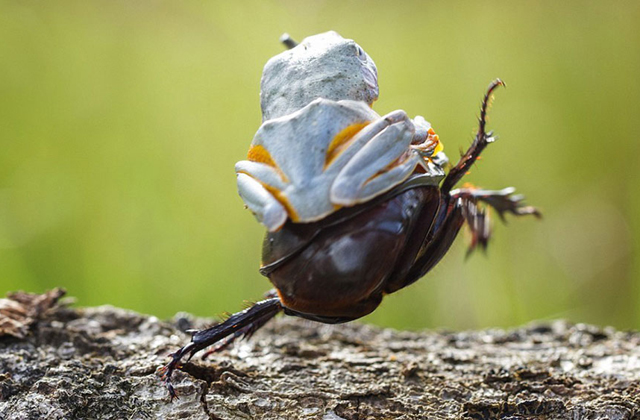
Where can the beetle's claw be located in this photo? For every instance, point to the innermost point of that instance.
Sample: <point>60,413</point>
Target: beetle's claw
<point>506,202</point>
<point>165,372</point>
<point>242,323</point>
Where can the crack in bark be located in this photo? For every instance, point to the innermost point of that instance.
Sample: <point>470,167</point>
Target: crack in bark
<point>205,404</point>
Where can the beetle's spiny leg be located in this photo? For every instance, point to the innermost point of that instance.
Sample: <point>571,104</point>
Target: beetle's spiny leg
<point>504,200</point>
<point>478,221</point>
<point>482,120</point>
<point>244,333</point>
<point>257,314</point>
<point>462,206</point>
<point>288,41</point>
<point>477,218</point>
<point>480,141</point>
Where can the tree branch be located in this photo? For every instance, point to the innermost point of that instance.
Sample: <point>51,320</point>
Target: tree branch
<point>101,363</point>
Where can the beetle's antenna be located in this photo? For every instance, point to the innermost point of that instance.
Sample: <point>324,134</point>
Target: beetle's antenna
<point>481,141</point>
<point>288,42</point>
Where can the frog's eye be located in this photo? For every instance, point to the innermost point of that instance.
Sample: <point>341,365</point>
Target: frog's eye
<point>360,53</point>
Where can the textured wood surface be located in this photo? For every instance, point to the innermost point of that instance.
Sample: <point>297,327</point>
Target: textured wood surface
<point>100,363</point>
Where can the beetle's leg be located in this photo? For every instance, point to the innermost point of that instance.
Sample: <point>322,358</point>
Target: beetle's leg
<point>244,333</point>
<point>504,201</point>
<point>437,243</point>
<point>258,315</point>
<point>477,217</point>
<point>481,141</point>
<point>462,206</point>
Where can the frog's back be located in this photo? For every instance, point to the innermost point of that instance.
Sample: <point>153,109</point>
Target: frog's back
<point>321,66</point>
<point>304,144</point>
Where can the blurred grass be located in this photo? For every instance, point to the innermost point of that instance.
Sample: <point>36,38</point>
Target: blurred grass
<point>120,123</point>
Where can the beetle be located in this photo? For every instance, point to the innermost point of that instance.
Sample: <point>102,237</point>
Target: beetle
<point>356,205</point>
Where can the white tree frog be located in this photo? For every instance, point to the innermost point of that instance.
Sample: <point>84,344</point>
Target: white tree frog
<point>321,146</point>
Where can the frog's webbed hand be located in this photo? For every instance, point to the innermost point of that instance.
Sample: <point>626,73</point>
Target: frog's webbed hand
<point>425,140</point>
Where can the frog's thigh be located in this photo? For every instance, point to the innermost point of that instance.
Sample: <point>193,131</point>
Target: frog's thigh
<point>387,180</point>
<point>375,168</point>
<point>267,209</point>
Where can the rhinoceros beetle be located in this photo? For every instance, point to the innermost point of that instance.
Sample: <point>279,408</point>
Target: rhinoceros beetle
<point>356,205</point>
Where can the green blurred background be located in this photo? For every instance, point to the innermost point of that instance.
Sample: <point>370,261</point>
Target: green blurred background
<point>120,123</point>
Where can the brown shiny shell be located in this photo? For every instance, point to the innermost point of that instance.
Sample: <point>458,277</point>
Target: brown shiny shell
<point>337,270</point>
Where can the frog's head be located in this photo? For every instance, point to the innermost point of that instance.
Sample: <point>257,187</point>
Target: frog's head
<point>321,66</point>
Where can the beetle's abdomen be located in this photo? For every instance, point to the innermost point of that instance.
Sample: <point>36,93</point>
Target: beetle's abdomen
<point>340,274</point>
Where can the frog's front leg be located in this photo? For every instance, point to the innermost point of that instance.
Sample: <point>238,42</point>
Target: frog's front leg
<point>380,157</point>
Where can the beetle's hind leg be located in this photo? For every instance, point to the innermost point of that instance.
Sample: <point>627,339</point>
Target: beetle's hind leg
<point>239,324</point>
<point>244,333</point>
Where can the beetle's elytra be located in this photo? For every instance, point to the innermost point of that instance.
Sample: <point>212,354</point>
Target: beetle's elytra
<point>356,205</point>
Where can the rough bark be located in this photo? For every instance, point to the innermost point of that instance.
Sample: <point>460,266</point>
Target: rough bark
<point>100,363</point>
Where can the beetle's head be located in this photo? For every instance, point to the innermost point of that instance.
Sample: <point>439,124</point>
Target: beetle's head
<point>321,66</point>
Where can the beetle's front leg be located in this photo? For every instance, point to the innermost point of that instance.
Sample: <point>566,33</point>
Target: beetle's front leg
<point>241,323</point>
<point>481,141</point>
